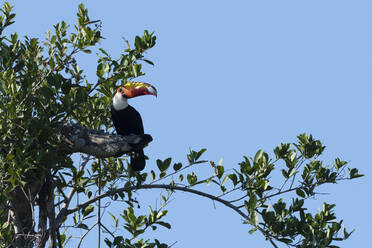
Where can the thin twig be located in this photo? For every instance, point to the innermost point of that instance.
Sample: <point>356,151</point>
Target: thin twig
<point>238,199</point>
<point>85,234</point>
<point>107,230</point>
<point>172,244</point>
<point>228,192</point>
<point>62,193</point>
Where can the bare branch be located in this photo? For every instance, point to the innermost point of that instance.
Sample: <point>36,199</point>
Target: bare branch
<point>100,144</point>
<point>85,234</point>
<point>172,244</point>
<point>107,230</point>
<point>163,186</point>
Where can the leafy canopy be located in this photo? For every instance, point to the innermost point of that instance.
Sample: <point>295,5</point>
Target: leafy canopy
<point>42,87</point>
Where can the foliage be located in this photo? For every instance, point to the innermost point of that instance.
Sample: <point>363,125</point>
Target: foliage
<point>42,86</point>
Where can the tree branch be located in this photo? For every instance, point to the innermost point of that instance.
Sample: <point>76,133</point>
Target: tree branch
<point>163,186</point>
<point>85,234</point>
<point>99,144</point>
<point>43,217</point>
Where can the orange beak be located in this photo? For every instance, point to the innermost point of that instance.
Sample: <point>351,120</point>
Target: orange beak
<point>133,89</point>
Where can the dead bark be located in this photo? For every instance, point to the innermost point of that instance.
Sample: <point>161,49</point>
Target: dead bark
<point>99,144</point>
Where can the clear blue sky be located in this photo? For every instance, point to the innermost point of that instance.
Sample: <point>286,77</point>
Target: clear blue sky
<point>237,76</point>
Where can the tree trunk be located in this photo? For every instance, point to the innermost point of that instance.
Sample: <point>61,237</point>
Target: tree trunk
<point>22,213</point>
<point>39,189</point>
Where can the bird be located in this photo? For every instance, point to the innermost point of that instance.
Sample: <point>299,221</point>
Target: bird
<point>127,120</point>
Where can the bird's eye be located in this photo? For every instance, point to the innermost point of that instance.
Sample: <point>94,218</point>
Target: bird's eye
<point>120,90</point>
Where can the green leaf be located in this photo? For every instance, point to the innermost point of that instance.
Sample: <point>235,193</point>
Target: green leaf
<point>285,240</point>
<point>118,240</point>
<point>252,230</point>
<point>258,156</point>
<point>177,166</point>
<point>233,178</point>
<point>285,174</point>
<point>219,170</point>
<point>152,175</point>
<point>338,163</point>
<point>224,180</point>
<point>198,155</point>
<point>191,156</point>
<point>116,221</point>
<point>191,178</point>
<point>167,163</point>
<point>138,42</point>
<point>83,226</point>
<point>254,218</point>
<point>52,64</point>
<point>353,173</point>
<point>108,242</point>
<point>346,234</point>
<point>148,61</point>
<point>100,70</point>
<point>163,165</point>
<point>164,224</point>
<point>162,213</point>
<point>87,210</point>
<point>5,225</point>
<point>252,202</point>
<point>282,150</point>
<point>292,172</point>
<point>159,163</point>
<point>300,193</point>
<point>104,52</point>
<point>223,189</point>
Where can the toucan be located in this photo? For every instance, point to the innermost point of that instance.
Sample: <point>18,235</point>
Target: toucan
<point>127,120</point>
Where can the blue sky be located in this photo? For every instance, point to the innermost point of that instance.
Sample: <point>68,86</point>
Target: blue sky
<point>237,76</point>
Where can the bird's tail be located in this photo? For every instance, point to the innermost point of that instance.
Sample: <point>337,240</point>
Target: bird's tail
<point>137,160</point>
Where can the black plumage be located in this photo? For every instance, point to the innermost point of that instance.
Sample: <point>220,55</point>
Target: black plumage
<point>128,121</point>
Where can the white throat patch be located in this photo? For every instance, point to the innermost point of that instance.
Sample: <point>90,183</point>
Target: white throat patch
<point>119,102</point>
